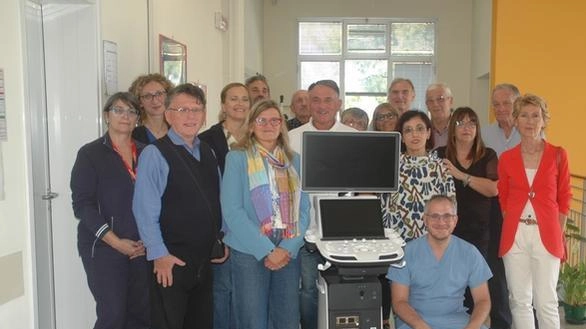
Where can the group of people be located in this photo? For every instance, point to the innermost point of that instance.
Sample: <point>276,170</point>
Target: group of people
<point>181,228</point>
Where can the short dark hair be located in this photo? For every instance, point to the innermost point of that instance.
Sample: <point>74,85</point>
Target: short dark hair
<point>124,96</point>
<point>415,114</point>
<point>188,89</point>
<point>256,77</point>
<point>328,83</point>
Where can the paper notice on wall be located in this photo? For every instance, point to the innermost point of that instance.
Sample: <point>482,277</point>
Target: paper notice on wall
<point>2,195</point>
<point>111,67</point>
<point>3,132</point>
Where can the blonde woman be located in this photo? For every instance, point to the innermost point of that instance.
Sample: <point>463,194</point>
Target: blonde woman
<point>267,215</point>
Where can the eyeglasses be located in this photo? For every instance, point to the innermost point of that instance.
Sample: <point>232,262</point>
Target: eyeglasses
<point>261,122</point>
<point>185,110</point>
<point>439,99</point>
<point>150,96</point>
<point>118,111</point>
<point>410,130</point>
<point>466,124</point>
<point>443,217</point>
<point>385,117</point>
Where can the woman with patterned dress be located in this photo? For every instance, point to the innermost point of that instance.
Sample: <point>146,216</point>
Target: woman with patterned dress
<point>421,175</point>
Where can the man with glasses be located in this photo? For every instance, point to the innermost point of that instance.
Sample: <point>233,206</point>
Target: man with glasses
<point>428,292</point>
<point>324,105</point>
<point>177,209</point>
<point>439,101</point>
<point>401,94</point>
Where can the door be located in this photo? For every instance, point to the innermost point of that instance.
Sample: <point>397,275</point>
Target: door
<point>63,111</point>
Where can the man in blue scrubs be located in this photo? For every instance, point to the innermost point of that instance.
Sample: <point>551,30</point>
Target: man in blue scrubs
<point>429,291</point>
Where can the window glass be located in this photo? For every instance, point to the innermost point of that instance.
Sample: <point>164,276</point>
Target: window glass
<point>314,71</point>
<point>367,38</point>
<point>412,39</point>
<point>320,38</point>
<point>421,74</point>
<point>366,75</point>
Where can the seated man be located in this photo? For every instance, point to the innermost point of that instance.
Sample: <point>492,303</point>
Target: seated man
<point>429,291</point>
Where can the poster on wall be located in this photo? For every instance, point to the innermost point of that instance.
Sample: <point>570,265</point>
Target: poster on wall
<point>3,132</point>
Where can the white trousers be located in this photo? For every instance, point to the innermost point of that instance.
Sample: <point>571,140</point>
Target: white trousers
<point>532,275</point>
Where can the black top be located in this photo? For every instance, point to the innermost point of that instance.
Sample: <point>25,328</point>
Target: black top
<point>141,134</point>
<point>191,201</point>
<point>293,123</point>
<point>101,193</point>
<point>216,138</point>
<point>474,209</point>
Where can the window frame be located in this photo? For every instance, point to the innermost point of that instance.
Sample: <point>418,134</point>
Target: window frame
<point>347,55</point>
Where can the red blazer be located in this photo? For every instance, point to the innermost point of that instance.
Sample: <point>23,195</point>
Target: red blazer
<point>551,196</point>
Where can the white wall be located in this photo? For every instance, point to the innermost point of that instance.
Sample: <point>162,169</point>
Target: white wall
<point>254,38</point>
<point>126,24</point>
<point>454,36</point>
<point>192,23</point>
<point>14,210</point>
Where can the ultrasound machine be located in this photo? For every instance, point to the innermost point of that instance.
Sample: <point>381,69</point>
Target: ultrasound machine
<point>346,171</point>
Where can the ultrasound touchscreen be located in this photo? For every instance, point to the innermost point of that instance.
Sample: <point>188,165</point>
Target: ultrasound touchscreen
<point>349,218</point>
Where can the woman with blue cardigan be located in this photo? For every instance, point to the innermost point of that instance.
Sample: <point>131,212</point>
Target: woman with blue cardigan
<point>267,216</point>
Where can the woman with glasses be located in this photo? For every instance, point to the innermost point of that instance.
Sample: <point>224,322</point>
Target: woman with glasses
<point>221,137</point>
<point>384,118</point>
<point>267,215</point>
<point>474,168</point>
<point>421,175</point>
<point>151,90</point>
<point>534,194</point>
<point>102,186</point>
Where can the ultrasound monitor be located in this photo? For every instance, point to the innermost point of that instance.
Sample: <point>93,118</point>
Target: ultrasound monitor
<point>350,161</point>
<point>351,218</point>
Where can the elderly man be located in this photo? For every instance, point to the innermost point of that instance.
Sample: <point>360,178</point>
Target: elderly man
<point>300,107</point>
<point>502,135</point>
<point>324,104</point>
<point>177,209</point>
<point>401,94</point>
<point>258,88</point>
<point>428,292</point>
<point>439,101</point>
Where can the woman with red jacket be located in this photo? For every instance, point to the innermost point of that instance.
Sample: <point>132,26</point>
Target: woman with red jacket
<point>534,193</point>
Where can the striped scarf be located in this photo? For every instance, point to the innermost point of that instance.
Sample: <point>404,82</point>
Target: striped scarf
<point>275,192</point>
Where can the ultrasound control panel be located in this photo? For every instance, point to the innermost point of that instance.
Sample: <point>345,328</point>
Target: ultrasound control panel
<point>360,251</point>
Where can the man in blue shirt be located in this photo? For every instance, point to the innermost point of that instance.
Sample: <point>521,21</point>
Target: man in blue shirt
<point>177,209</point>
<point>429,291</point>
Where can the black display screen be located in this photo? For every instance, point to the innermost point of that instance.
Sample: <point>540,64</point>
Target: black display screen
<point>350,161</point>
<point>349,218</point>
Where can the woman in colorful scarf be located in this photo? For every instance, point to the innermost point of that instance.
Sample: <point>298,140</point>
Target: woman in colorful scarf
<point>267,216</point>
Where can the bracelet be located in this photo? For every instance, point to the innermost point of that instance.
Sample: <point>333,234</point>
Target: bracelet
<point>466,180</point>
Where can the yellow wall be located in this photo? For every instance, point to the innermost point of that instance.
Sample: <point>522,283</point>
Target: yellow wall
<point>539,45</point>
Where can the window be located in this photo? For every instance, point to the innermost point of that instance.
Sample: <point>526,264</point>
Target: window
<point>364,56</point>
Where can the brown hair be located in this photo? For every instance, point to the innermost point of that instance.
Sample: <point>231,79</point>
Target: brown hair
<point>478,149</point>
<point>139,83</point>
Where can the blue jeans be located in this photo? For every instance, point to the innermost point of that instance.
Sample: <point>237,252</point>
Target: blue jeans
<point>265,299</point>
<point>308,296</point>
<point>224,317</point>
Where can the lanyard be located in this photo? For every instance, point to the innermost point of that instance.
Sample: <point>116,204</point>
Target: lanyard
<point>130,168</point>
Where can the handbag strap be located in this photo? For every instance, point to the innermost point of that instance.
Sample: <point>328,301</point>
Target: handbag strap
<point>198,186</point>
